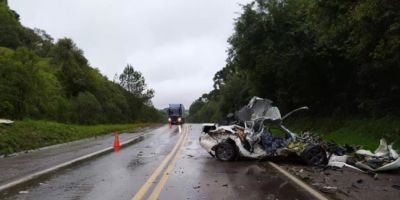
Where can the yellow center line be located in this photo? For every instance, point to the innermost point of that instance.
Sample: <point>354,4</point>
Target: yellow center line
<point>157,190</point>
<point>145,187</point>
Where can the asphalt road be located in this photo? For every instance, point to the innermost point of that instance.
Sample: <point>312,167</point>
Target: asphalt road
<point>24,164</point>
<point>166,164</point>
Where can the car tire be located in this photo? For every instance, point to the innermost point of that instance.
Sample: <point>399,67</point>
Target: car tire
<point>314,155</point>
<point>226,151</point>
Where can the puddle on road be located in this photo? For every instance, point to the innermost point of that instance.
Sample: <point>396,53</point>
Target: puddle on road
<point>135,162</point>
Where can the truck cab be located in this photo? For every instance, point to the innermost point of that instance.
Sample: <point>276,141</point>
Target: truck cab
<point>176,114</point>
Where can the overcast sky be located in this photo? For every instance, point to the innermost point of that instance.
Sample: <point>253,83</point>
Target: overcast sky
<point>178,45</point>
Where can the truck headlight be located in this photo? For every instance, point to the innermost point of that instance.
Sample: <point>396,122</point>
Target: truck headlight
<point>169,119</point>
<point>179,119</point>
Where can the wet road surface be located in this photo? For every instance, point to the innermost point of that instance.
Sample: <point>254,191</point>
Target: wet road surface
<point>15,167</point>
<point>199,176</point>
<point>190,174</point>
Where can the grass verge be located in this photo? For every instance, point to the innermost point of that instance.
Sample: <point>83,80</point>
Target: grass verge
<point>32,134</point>
<point>358,131</point>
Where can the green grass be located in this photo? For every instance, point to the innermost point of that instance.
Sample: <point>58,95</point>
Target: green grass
<point>32,134</point>
<point>357,131</point>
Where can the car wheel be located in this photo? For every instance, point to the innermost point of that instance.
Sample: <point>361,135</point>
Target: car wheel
<point>314,155</point>
<point>226,151</point>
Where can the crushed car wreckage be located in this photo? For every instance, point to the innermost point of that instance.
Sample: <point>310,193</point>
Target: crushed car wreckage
<point>248,137</point>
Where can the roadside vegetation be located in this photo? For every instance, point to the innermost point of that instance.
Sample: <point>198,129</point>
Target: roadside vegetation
<point>358,131</point>
<point>340,58</point>
<point>33,134</point>
<point>44,79</point>
<point>51,83</point>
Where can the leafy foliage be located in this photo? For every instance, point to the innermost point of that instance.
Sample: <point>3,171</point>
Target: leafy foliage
<point>43,79</point>
<point>134,82</point>
<point>338,57</point>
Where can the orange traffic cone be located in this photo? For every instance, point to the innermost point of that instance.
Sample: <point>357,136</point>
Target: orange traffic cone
<point>116,140</point>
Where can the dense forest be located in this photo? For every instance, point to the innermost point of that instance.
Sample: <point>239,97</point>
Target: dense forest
<point>52,80</point>
<point>339,57</point>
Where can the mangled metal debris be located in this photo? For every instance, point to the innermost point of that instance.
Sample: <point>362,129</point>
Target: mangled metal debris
<point>249,135</point>
<point>384,158</point>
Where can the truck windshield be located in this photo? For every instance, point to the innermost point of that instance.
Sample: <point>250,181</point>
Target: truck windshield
<point>174,112</point>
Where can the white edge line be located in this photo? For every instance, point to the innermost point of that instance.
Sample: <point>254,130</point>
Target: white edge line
<point>54,168</point>
<point>300,183</point>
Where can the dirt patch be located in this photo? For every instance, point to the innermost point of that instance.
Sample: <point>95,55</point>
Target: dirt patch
<point>348,183</point>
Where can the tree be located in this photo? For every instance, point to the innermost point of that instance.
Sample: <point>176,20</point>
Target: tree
<point>134,82</point>
<point>87,108</point>
<point>338,57</point>
<point>28,86</point>
<point>10,28</point>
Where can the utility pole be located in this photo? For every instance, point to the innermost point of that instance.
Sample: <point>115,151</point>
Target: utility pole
<point>5,2</point>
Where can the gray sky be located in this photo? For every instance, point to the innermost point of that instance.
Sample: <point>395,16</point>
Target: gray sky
<point>178,45</point>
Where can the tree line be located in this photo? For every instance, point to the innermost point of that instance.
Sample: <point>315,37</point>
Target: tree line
<point>339,57</point>
<point>52,80</point>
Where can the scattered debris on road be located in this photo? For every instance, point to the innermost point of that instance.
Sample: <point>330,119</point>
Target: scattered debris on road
<point>341,172</point>
<point>249,134</point>
<point>397,187</point>
<point>384,158</point>
<point>328,189</point>
<point>346,183</point>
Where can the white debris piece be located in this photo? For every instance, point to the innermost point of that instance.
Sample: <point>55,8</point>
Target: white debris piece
<point>6,121</point>
<point>340,162</point>
<point>364,152</point>
<point>337,161</point>
<point>382,149</point>
<point>392,152</point>
<point>335,158</point>
<point>390,166</point>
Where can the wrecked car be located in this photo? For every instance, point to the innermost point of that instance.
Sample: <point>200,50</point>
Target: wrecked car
<point>249,135</point>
